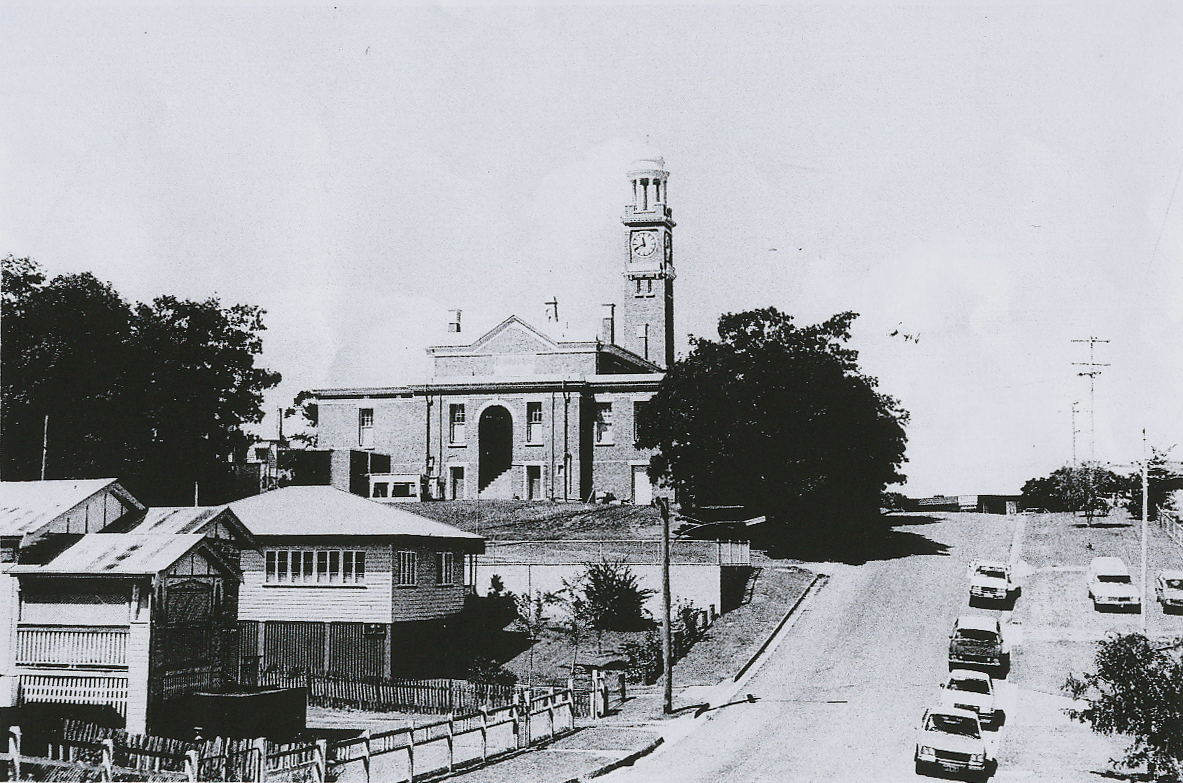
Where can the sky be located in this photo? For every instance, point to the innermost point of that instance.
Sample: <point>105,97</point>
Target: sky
<point>984,184</point>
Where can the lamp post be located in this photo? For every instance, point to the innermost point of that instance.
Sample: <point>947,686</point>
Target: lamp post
<point>663,504</point>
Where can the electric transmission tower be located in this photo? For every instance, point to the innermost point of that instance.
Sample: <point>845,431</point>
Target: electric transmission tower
<point>1092,372</point>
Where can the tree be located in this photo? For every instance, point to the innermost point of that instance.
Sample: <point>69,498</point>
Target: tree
<point>779,418</point>
<point>1136,690</point>
<point>1161,481</point>
<point>615,601</point>
<point>1073,488</point>
<point>155,395</point>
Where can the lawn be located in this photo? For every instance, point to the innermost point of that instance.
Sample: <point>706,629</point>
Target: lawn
<point>520,520</point>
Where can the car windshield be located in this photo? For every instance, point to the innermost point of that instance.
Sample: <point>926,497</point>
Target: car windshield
<point>976,635</point>
<point>992,573</point>
<point>1175,584</point>
<point>970,686</point>
<point>1115,578</point>
<point>953,724</point>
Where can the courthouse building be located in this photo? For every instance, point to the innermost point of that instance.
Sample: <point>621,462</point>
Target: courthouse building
<point>518,413</point>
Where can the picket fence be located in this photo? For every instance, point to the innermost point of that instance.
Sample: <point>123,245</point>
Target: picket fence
<point>89,752</point>
<point>439,696</point>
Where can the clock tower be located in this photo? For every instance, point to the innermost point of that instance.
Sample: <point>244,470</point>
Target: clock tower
<point>647,313</point>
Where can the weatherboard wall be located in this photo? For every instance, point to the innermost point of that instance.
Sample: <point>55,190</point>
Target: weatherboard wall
<point>365,603</point>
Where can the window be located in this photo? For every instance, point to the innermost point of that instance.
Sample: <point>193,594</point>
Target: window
<point>640,420</point>
<point>456,423</point>
<point>365,427</point>
<point>603,423</point>
<point>380,488</point>
<point>644,288</point>
<point>406,575</point>
<point>314,566</point>
<point>534,422</point>
<point>445,568</point>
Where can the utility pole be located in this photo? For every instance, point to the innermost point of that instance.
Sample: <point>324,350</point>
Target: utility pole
<point>1145,509</point>
<point>44,446</point>
<point>663,504</point>
<point>1092,374</point>
<point>1074,431</point>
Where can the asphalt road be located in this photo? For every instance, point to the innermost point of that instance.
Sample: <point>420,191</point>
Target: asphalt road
<point>840,696</point>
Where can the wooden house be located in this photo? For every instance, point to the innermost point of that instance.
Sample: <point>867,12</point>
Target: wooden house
<point>37,518</point>
<point>130,621</point>
<point>345,585</point>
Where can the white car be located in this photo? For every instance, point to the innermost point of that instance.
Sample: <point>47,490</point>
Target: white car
<point>1168,589</point>
<point>972,690</point>
<point>990,581</point>
<point>1110,585</point>
<point>950,740</point>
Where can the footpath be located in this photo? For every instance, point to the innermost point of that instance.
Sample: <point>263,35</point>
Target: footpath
<point>637,728</point>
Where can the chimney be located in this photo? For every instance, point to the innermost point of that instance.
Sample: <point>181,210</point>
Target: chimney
<point>454,321</point>
<point>552,310</point>
<point>608,324</point>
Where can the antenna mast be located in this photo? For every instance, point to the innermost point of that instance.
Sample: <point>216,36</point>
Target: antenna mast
<point>1092,374</point>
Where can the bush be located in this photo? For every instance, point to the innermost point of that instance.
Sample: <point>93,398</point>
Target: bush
<point>614,600</point>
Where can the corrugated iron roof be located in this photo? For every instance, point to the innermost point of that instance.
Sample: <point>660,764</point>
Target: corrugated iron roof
<point>171,520</point>
<point>27,506</point>
<point>325,511</point>
<point>117,554</point>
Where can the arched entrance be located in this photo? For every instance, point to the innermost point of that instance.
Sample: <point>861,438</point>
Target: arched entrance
<point>495,436</point>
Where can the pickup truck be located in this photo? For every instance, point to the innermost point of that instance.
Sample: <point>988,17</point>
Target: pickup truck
<point>990,581</point>
<point>977,641</point>
<point>950,740</point>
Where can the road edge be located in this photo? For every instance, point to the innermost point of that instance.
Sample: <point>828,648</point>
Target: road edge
<point>780,625</point>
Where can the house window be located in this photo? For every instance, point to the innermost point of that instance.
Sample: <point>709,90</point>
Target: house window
<point>640,418</point>
<point>456,423</point>
<point>534,422</point>
<point>445,568</point>
<point>314,566</point>
<point>365,427</point>
<point>603,423</point>
<point>406,575</point>
<point>380,489</point>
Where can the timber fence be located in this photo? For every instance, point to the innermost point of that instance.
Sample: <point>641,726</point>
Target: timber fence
<point>89,752</point>
<point>439,696</point>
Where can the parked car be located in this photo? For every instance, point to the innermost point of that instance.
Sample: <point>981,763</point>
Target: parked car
<point>1168,589</point>
<point>977,641</point>
<point>1110,585</point>
<point>990,580</point>
<point>950,739</point>
<point>967,689</point>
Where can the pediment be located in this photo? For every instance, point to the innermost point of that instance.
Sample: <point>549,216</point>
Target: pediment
<point>513,337</point>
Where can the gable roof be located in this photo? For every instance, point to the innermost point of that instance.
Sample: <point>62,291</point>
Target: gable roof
<point>327,512</point>
<point>28,506</point>
<point>120,554</point>
<point>490,338</point>
<point>173,520</point>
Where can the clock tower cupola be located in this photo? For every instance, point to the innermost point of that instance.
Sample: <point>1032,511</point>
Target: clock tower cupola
<point>647,313</point>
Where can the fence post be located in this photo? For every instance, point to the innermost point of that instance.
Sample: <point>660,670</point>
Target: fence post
<point>484,734</point>
<point>14,750</point>
<point>321,759</point>
<point>623,692</point>
<point>108,759</point>
<point>517,718</point>
<point>365,759</point>
<point>192,760</point>
<point>526,718</point>
<point>260,749</point>
<point>451,741</point>
<point>411,753</point>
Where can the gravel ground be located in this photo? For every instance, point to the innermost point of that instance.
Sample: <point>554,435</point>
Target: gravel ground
<point>1059,629</point>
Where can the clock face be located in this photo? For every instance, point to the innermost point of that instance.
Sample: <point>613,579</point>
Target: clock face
<point>644,243</point>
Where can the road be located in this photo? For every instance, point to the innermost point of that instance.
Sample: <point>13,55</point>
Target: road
<point>840,696</point>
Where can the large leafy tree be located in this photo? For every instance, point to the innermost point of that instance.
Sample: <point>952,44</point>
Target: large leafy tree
<point>1073,488</point>
<point>1136,691</point>
<point>1161,480</point>
<point>779,418</point>
<point>155,394</point>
